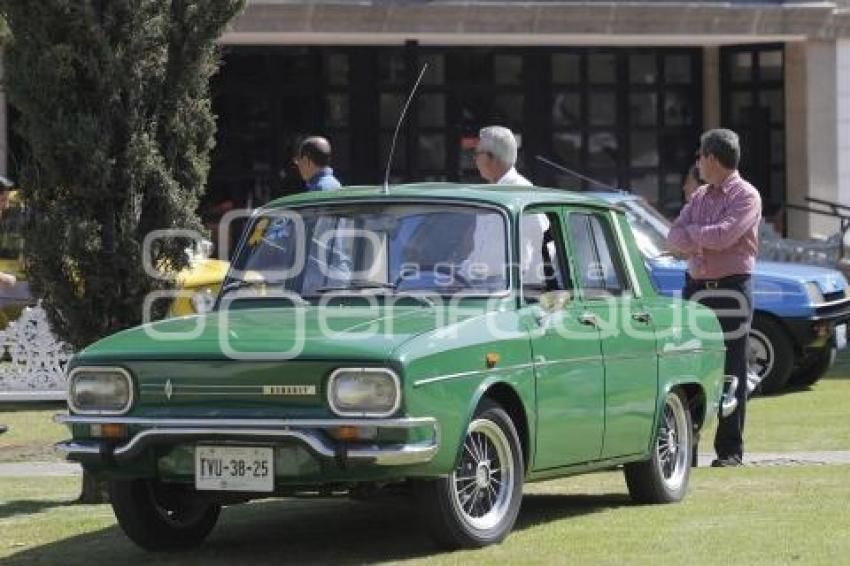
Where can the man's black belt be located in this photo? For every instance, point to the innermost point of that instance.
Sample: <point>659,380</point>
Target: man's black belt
<point>720,283</point>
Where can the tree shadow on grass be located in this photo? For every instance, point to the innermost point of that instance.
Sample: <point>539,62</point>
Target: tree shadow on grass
<point>299,531</point>
<point>29,507</point>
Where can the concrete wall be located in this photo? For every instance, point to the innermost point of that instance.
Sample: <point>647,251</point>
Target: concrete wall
<point>821,130</point>
<point>817,91</point>
<point>843,102</point>
<point>796,146</point>
<point>710,88</point>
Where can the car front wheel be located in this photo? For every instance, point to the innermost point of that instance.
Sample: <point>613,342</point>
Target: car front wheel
<point>813,366</point>
<point>770,354</point>
<point>160,517</point>
<point>664,477</point>
<point>477,504</point>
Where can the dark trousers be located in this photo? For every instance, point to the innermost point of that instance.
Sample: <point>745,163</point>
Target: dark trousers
<point>729,293</point>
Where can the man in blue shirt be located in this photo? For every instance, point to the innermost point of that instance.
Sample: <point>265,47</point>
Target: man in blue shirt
<point>313,162</point>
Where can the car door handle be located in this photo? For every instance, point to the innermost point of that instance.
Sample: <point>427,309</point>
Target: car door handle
<point>588,319</point>
<point>641,316</point>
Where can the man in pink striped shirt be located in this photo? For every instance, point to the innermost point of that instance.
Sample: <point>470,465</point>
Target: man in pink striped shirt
<point>718,232</point>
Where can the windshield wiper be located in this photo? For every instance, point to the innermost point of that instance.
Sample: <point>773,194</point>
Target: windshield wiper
<point>243,283</point>
<point>357,285</point>
<point>239,284</point>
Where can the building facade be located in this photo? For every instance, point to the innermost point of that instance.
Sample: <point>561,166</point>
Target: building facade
<point>615,91</point>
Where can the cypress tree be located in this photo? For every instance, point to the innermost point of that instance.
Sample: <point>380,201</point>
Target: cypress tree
<point>114,109</point>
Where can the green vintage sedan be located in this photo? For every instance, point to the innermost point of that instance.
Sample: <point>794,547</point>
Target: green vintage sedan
<point>457,341</point>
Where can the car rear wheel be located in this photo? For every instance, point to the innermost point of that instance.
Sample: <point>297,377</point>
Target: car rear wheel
<point>160,517</point>
<point>664,477</point>
<point>770,354</point>
<point>477,504</point>
<point>813,367</point>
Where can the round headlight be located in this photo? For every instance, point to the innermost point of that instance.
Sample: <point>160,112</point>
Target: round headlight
<point>364,392</point>
<point>203,301</point>
<point>100,391</point>
<point>814,293</point>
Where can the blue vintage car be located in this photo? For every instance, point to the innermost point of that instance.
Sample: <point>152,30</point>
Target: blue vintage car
<point>800,310</point>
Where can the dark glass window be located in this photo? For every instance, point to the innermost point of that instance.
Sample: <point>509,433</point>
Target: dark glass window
<point>566,68</point>
<point>628,118</point>
<point>507,69</point>
<point>642,68</point>
<point>602,68</point>
<point>614,114</point>
<point>753,104</point>
<point>599,265</point>
<point>542,263</point>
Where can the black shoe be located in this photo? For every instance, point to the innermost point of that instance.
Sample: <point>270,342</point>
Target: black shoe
<point>727,462</point>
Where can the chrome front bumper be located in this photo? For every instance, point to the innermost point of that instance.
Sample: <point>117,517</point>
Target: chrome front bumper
<point>307,433</point>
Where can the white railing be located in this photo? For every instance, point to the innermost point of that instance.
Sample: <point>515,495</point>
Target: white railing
<point>33,365</point>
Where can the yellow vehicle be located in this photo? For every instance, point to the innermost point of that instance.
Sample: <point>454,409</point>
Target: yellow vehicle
<point>32,360</point>
<point>199,282</point>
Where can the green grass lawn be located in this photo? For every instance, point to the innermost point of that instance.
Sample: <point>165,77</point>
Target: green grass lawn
<point>771,515</point>
<point>808,419</point>
<point>753,515</point>
<point>31,433</point>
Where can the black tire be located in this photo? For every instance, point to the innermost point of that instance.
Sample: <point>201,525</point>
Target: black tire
<point>664,477</point>
<point>813,367</point>
<point>770,354</point>
<point>159,517</point>
<point>467,509</point>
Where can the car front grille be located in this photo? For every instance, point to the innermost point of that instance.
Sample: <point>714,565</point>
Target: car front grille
<point>836,296</point>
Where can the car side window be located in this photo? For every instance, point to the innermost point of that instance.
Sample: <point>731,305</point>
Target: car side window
<point>542,265</point>
<point>597,257</point>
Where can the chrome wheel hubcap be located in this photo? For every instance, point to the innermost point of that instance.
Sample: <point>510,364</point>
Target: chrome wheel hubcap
<point>672,448</point>
<point>483,481</point>
<point>760,353</point>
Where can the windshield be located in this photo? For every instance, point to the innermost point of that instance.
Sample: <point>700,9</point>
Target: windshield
<point>649,227</point>
<point>387,248</point>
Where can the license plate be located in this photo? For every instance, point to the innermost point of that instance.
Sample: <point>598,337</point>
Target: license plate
<point>234,468</point>
<point>841,336</point>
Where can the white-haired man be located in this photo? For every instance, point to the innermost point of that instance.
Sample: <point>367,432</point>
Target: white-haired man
<point>495,156</point>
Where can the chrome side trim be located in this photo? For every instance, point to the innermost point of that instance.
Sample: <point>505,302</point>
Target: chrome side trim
<point>439,378</point>
<point>436,379</point>
<point>569,361</point>
<point>690,351</point>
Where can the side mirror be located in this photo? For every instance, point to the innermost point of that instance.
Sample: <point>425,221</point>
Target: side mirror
<point>555,300</point>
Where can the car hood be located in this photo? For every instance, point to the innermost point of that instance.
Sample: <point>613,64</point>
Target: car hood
<point>308,332</point>
<point>766,272</point>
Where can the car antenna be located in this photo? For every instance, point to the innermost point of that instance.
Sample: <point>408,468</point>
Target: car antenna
<point>569,171</point>
<point>398,127</point>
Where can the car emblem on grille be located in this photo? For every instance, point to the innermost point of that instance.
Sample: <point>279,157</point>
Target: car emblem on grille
<point>289,390</point>
<point>169,389</point>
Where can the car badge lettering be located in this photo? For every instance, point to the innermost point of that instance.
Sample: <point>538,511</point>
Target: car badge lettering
<point>169,389</point>
<point>289,390</point>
